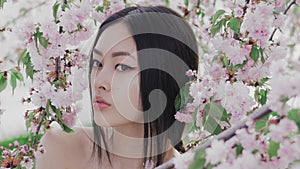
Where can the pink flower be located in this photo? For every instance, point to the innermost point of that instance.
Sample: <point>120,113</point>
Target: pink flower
<point>182,161</point>
<point>38,99</point>
<point>5,153</point>
<point>217,71</point>
<point>25,32</point>
<point>16,144</point>
<point>247,161</point>
<point>189,73</point>
<point>182,117</point>
<point>238,12</point>
<point>69,118</point>
<point>279,3</point>
<point>287,151</point>
<point>283,129</point>
<point>62,98</point>
<point>247,139</point>
<point>279,21</point>
<point>216,153</point>
<point>27,163</point>
<point>199,118</point>
<point>235,99</point>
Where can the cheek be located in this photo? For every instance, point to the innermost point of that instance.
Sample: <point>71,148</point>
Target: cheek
<point>134,94</point>
<point>126,96</point>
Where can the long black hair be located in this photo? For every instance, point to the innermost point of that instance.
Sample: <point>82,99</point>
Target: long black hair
<point>167,48</point>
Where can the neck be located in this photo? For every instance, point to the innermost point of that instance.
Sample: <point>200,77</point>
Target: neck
<point>127,140</point>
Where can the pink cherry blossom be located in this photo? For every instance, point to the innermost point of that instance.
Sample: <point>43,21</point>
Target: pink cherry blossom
<point>182,117</point>
<point>287,151</point>
<point>216,153</point>
<point>247,139</point>
<point>25,32</point>
<point>182,161</point>
<point>279,3</point>
<point>189,73</point>
<point>61,98</point>
<point>283,129</point>
<point>279,21</point>
<point>69,118</point>
<point>27,163</point>
<point>236,103</point>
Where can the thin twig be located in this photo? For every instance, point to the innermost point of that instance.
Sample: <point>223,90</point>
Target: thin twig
<point>285,12</point>
<point>38,128</point>
<point>57,68</point>
<point>225,135</point>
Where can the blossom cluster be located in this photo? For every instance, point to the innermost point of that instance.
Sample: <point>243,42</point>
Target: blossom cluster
<point>248,67</point>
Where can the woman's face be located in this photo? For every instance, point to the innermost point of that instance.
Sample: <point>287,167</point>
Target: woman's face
<point>115,78</point>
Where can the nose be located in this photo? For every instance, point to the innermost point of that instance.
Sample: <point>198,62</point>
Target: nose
<point>102,81</point>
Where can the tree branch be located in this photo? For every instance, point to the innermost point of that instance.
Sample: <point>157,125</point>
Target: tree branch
<point>285,12</point>
<point>225,135</point>
<point>38,128</point>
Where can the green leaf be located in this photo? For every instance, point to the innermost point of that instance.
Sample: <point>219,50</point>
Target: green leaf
<point>198,164</point>
<point>167,2</point>
<point>43,41</point>
<point>212,126</point>
<point>2,3</point>
<point>239,149</point>
<point>263,96</point>
<point>261,51</point>
<point>21,56</point>
<point>216,111</point>
<point>239,66</point>
<point>235,25</point>
<point>64,6</point>
<point>199,160</point>
<point>183,97</point>
<point>254,54</point>
<point>217,27</point>
<point>294,115</point>
<point>19,76</point>
<point>47,106</point>
<point>256,95</point>
<point>217,15</point>
<point>67,129</point>
<point>13,81</point>
<point>3,82</point>
<point>212,113</point>
<point>225,61</point>
<point>99,9</point>
<point>29,67</point>
<point>55,10</point>
<point>273,149</point>
<point>29,120</point>
<point>59,120</point>
<point>260,125</point>
<point>186,3</point>
<point>264,80</point>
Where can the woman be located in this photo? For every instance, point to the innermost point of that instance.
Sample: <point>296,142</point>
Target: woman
<point>138,66</point>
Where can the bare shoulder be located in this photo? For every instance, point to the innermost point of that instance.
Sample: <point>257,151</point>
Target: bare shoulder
<point>65,150</point>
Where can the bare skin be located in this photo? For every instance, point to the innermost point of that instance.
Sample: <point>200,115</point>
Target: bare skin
<point>73,151</point>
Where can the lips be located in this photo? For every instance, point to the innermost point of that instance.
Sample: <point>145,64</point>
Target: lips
<point>101,103</point>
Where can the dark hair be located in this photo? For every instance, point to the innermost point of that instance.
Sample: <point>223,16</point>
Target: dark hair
<point>167,48</point>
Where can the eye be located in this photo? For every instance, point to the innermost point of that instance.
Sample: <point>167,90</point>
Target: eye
<point>122,67</point>
<point>96,64</point>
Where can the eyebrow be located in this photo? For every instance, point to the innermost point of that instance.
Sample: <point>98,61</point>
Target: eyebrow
<point>115,54</point>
